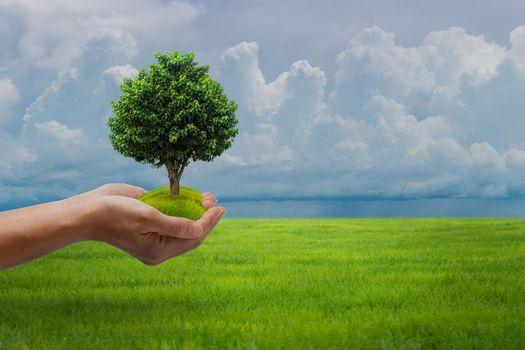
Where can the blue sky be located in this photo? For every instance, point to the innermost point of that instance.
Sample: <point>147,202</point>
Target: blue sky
<point>375,100</point>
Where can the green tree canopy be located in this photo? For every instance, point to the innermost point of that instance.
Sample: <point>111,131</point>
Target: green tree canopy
<point>171,114</point>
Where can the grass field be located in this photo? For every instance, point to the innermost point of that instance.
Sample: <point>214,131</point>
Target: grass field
<point>283,284</point>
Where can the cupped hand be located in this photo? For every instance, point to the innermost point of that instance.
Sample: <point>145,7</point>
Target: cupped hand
<point>144,232</point>
<point>110,213</point>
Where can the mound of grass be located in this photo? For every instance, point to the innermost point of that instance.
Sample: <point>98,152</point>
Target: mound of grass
<point>188,204</point>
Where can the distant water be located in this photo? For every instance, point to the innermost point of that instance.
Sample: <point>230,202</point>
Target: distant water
<point>365,208</point>
<point>378,208</point>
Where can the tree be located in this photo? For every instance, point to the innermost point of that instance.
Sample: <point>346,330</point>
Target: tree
<point>172,114</point>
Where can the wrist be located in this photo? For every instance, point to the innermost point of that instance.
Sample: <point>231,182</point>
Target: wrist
<point>82,215</point>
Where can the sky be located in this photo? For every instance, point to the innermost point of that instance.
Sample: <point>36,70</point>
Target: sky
<point>372,100</point>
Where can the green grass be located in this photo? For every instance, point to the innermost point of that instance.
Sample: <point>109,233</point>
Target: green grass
<point>283,284</point>
<point>188,204</point>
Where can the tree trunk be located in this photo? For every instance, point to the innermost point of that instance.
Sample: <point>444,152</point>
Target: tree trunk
<point>174,176</point>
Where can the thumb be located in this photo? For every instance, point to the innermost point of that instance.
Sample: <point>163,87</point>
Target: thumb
<point>178,227</point>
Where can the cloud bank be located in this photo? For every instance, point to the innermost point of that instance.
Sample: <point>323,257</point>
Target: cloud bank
<point>441,119</point>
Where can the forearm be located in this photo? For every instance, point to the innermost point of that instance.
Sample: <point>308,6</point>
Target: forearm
<point>26,235</point>
<point>32,210</point>
<point>21,213</point>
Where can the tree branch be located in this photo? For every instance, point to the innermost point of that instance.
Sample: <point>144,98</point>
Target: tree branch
<point>181,166</point>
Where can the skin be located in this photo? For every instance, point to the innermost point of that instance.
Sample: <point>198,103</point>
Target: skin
<point>111,214</point>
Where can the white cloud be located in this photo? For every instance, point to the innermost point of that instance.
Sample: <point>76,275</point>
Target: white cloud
<point>9,96</point>
<point>517,39</point>
<point>58,32</point>
<point>14,153</point>
<point>272,115</point>
<point>426,78</point>
<point>57,53</point>
<point>60,132</point>
<point>400,122</point>
<point>114,75</point>
<point>38,104</point>
<point>444,118</point>
<point>117,73</point>
<point>240,66</point>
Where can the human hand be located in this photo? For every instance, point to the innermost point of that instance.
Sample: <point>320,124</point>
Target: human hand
<point>110,213</point>
<point>144,232</point>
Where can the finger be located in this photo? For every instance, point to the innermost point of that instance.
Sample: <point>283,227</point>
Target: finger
<point>209,196</point>
<point>207,203</point>
<point>177,227</point>
<point>191,244</point>
<point>134,191</point>
<point>121,189</point>
<point>206,233</point>
<point>208,220</point>
<point>178,247</point>
<point>186,246</point>
<point>223,212</point>
<point>208,200</point>
<point>174,246</point>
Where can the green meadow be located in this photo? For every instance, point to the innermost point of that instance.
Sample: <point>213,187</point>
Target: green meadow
<point>282,284</point>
